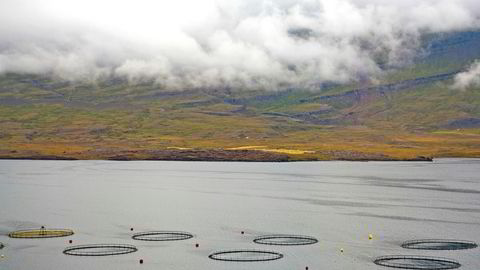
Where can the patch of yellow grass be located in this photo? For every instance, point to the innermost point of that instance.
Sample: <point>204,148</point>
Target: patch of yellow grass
<point>288,151</point>
<point>248,147</point>
<point>179,148</point>
<point>280,150</point>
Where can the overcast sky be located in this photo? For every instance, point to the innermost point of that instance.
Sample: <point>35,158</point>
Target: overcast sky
<point>217,43</point>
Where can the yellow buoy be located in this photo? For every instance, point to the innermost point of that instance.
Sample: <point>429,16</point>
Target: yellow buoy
<point>370,236</point>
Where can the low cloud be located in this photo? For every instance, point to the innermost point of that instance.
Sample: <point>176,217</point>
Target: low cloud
<point>469,78</point>
<point>222,43</point>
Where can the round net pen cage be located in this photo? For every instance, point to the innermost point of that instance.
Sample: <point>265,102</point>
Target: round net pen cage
<point>417,262</point>
<point>439,244</point>
<point>285,240</point>
<point>162,236</point>
<point>245,255</point>
<point>41,233</point>
<point>99,250</point>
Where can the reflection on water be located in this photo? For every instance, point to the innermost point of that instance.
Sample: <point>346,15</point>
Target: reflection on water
<point>339,203</point>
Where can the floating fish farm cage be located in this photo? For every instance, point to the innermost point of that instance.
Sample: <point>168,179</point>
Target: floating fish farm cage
<point>439,244</point>
<point>285,240</point>
<point>41,233</point>
<point>245,255</point>
<point>417,262</point>
<point>99,250</point>
<point>162,236</point>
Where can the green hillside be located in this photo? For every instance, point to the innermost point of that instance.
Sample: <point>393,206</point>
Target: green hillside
<point>410,112</point>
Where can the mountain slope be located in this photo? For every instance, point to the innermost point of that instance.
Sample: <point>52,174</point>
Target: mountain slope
<point>407,113</point>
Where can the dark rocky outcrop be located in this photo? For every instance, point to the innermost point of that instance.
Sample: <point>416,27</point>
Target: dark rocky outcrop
<point>359,94</point>
<point>464,123</point>
<point>201,155</point>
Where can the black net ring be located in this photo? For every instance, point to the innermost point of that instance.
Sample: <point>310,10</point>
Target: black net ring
<point>162,236</point>
<point>99,250</point>
<point>245,255</point>
<point>285,240</point>
<point>439,244</point>
<point>417,262</point>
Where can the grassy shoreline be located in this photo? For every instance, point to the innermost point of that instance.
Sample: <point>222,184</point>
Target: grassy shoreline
<point>207,155</point>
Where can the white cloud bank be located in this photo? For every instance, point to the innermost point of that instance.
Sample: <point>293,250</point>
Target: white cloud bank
<point>469,78</point>
<point>221,43</point>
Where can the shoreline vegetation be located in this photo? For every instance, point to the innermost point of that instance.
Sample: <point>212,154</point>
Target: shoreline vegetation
<point>347,143</point>
<point>243,155</point>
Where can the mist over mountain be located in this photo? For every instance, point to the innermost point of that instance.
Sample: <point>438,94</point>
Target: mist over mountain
<point>235,44</point>
<point>247,80</point>
<point>469,78</point>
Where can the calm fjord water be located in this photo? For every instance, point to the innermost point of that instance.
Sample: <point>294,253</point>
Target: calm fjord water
<point>339,203</point>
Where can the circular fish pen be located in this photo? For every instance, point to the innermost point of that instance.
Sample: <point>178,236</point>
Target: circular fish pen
<point>100,250</point>
<point>41,233</point>
<point>285,240</point>
<point>417,262</point>
<point>245,255</point>
<point>162,236</point>
<point>439,244</point>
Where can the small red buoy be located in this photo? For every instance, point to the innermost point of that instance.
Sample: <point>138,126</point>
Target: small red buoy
<point>197,245</point>
<point>141,261</point>
<point>70,241</point>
